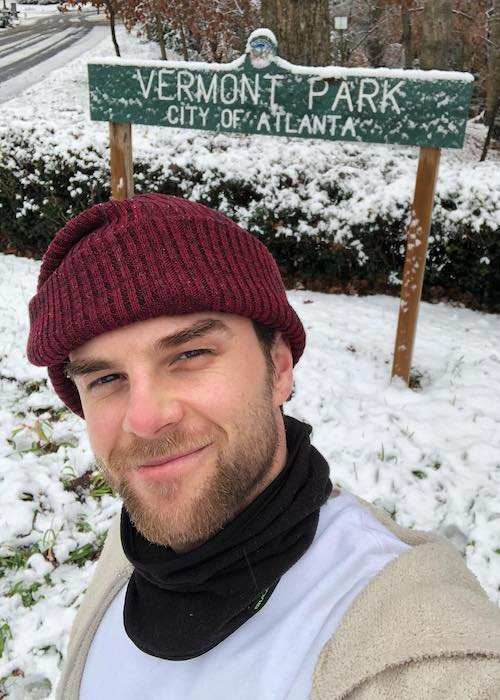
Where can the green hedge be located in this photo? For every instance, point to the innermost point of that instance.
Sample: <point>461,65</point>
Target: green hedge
<point>39,194</point>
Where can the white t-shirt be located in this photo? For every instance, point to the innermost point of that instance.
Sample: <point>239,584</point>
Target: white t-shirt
<point>273,654</point>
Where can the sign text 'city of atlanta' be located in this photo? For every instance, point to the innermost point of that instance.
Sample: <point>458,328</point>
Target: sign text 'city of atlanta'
<point>261,93</point>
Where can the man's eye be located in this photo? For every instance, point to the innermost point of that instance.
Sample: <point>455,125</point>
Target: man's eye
<point>100,381</point>
<point>187,355</point>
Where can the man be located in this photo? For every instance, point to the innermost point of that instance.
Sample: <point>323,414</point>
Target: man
<point>234,569</point>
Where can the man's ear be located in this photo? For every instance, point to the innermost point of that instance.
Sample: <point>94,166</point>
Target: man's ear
<point>283,369</point>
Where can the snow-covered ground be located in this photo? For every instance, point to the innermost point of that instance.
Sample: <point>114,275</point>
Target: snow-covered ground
<point>30,13</point>
<point>73,38</point>
<point>37,9</point>
<point>429,456</point>
<point>27,11</point>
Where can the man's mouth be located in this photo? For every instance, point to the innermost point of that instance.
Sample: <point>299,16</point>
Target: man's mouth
<point>175,465</point>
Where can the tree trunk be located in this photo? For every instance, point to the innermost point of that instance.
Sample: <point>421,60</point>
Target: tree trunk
<point>182,32</point>
<point>494,72</point>
<point>269,14</point>
<point>302,28</point>
<point>374,45</point>
<point>406,37</point>
<point>464,39</point>
<point>111,14</point>
<point>161,36</point>
<point>491,128</point>
<point>436,26</point>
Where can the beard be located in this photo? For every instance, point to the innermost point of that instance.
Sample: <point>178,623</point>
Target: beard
<point>166,515</point>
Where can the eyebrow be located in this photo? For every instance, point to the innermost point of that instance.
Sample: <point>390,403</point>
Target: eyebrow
<point>199,329</point>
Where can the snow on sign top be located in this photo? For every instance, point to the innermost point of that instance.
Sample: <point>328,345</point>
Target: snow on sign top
<point>261,93</point>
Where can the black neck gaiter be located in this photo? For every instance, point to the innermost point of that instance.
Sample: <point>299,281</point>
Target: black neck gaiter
<point>179,606</point>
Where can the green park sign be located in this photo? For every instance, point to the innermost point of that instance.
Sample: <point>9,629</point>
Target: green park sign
<point>260,93</point>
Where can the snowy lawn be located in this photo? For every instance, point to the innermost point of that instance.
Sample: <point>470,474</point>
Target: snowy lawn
<point>430,456</point>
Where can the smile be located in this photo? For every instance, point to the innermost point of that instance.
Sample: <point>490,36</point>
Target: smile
<point>173,467</point>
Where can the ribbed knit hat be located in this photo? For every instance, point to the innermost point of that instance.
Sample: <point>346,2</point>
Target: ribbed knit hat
<point>152,255</point>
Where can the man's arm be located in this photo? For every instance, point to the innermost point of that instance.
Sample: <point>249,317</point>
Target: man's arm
<point>444,678</point>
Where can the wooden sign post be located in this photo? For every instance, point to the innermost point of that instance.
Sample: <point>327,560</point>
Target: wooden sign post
<point>417,240</point>
<point>121,165</point>
<point>261,93</point>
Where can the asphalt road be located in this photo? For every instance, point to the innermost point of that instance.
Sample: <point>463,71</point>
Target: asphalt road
<point>32,47</point>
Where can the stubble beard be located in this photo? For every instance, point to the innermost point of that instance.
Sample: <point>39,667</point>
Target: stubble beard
<point>239,474</point>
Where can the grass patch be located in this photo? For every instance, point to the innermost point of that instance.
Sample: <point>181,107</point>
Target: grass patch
<point>88,552</point>
<point>39,435</point>
<point>33,385</point>
<point>384,456</point>
<point>419,474</point>
<point>26,592</point>
<point>91,482</point>
<point>415,380</point>
<point>17,560</point>
<point>100,486</point>
<point>74,483</point>
<point>5,635</point>
<point>83,526</point>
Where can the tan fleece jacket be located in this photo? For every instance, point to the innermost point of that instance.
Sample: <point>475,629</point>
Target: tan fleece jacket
<point>422,629</point>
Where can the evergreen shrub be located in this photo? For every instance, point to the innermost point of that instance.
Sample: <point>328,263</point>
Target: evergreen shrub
<point>292,216</point>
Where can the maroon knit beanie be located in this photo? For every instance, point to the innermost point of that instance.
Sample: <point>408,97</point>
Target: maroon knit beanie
<point>152,255</point>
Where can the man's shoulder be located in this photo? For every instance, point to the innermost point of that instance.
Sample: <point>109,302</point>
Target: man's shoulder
<point>110,573</point>
<point>378,516</point>
<point>425,604</point>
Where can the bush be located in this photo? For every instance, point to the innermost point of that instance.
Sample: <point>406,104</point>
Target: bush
<point>326,231</point>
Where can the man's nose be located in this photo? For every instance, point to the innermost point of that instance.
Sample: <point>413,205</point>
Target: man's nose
<point>151,407</point>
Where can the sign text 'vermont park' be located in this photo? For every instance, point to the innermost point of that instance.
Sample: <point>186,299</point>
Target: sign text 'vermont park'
<point>260,93</point>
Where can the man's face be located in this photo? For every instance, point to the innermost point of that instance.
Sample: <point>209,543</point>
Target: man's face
<point>207,389</point>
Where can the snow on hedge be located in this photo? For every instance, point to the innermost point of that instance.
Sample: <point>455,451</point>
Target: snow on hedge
<point>374,180</point>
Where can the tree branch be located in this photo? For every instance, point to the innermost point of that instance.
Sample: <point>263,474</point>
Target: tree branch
<point>463,14</point>
<point>372,29</point>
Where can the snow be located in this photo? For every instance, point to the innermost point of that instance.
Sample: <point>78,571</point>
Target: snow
<point>261,31</point>
<point>191,65</point>
<point>337,72</point>
<point>429,456</point>
<point>28,11</point>
<point>33,76</point>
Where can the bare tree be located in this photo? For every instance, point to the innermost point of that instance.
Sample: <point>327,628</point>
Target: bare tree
<point>437,20</point>
<point>374,42</point>
<point>494,58</point>
<point>302,28</point>
<point>216,31</point>
<point>493,93</point>
<point>406,32</point>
